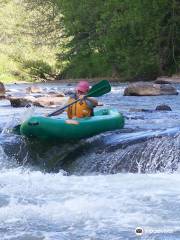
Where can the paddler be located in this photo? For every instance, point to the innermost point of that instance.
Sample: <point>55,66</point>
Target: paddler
<point>83,108</point>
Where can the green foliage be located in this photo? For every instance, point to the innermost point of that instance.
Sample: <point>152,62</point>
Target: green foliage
<point>130,39</point>
<point>134,39</point>
<point>27,35</point>
<point>37,68</point>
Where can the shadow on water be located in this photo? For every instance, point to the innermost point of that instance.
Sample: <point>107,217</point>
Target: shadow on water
<point>109,153</point>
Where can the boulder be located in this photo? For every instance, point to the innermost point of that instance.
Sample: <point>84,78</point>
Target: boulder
<point>50,101</point>
<point>25,101</point>
<point>162,81</point>
<point>167,80</point>
<point>17,101</point>
<point>34,89</point>
<point>149,89</point>
<point>2,90</point>
<point>56,94</point>
<point>163,107</point>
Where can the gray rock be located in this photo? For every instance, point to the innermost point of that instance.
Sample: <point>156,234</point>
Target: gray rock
<point>50,101</point>
<point>167,80</point>
<point>56,94</point>
<point>2,90</point>
<point>149,89</point>
<point>34,89</point>
<point>68,92</point>
<point>163,107</point>
<point>139,110</point>
<point>19,101</point>
<point>162,81</point>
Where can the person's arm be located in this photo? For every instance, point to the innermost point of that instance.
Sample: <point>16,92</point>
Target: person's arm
<point>93,101</point>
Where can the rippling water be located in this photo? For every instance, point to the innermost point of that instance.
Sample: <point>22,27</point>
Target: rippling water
<point>38,205</point>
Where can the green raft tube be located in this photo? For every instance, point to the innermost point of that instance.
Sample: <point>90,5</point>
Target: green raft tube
<point>46,128</point>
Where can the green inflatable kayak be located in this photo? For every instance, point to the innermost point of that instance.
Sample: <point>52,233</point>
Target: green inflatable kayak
<point>57,129</point>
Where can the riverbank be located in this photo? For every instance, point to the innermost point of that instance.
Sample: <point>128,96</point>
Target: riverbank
<point>161,80</point>
<point>69,80</point>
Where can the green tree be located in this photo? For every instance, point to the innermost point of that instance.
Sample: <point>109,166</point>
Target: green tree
<point>133,39</point>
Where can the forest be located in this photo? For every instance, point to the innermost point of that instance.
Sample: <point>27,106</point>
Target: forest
<point>59,39</point>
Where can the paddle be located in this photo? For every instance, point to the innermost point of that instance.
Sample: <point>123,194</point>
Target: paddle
<point>97,90</point>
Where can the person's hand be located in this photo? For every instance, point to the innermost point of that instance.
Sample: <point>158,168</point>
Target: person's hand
<point>71,121</point>
<point>100,104</point>
<point>81,97</point>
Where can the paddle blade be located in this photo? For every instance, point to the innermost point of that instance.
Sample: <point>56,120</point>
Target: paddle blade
<point>99,89</point>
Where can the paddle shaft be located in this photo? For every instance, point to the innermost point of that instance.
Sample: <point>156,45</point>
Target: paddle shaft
<point>97,90</point>
<point>59,111</point>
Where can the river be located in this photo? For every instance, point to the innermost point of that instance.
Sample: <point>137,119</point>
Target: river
<point>100,188</point>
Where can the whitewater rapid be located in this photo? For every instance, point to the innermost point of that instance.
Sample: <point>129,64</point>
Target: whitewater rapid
<point>37,205</point>
<point>53,206</point>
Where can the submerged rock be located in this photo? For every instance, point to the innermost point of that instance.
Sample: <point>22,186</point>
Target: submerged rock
<point>139,110</point>
<point>50,101</point>
<point>55,94</point>
<point>34,89</point>
<point>162,81</point>
<point>149,89</point>
<point>2,90</point>
<point>168,80</point>
<point>143,152</point>
<point>19,101</point>
<point>163,107</point>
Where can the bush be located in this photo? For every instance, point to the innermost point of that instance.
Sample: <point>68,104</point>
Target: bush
<point>37,68</point>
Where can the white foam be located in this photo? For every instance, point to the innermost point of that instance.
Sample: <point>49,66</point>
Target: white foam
<point>107,203</point>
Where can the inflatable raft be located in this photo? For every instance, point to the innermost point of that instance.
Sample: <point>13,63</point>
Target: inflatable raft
<point>48,128</point>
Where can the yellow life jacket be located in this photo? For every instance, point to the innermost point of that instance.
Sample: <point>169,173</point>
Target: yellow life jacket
<point>79,109</point>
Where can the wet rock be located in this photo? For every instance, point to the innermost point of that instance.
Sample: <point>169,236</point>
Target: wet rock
<point>24,101</point>
<point>68,92</point>
<point>163,107</point>
<point>56,94</point>
<point>20,101</point>
<point>168,80</point>
<point>2,90</point>
<point>162,81</point>
<point>139,110</point>
<point>149,89</point>
<point>34,89</point>
<point>50,101</point>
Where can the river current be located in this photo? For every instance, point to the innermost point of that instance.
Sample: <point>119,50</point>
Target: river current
<point>101,188</point>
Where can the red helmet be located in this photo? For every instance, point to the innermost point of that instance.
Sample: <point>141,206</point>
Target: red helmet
<point>83,86</point>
